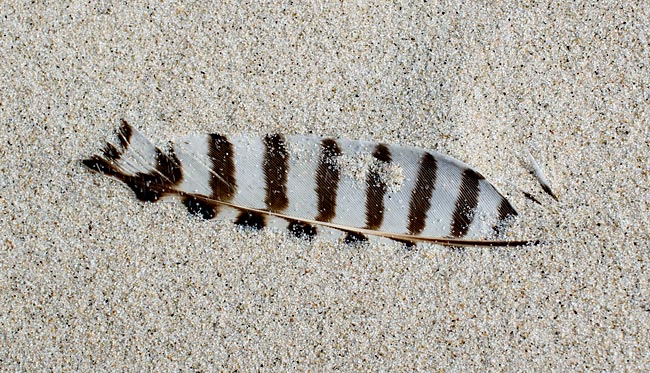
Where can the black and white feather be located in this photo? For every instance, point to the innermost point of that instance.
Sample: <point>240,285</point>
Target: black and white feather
<point>306,183</point>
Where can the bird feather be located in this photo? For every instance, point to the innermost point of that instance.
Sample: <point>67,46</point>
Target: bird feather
<point>306,183</point>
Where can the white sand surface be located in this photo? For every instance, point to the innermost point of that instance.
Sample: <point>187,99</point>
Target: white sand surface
<point>93,280</point>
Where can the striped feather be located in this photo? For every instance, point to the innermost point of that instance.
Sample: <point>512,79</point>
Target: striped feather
<point>302,183</point>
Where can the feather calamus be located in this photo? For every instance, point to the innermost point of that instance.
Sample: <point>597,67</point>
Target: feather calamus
<point>302,183</point>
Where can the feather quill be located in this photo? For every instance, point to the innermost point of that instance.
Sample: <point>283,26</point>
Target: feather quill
<point>304,183</point>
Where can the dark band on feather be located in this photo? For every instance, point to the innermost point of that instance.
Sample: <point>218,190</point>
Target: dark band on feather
<point>376,189</point>
<point>354,238</point>
<point>252,220</point>
<point>302,230</point>
<point>222,178</point>
<point>409,244</point>
<point>466,203</point>
<point>327,180</point>
<point>200,207</point>
<point>276,167</point>
<point>125,133</point>
<point>506,213</point>
<point>421,194</point>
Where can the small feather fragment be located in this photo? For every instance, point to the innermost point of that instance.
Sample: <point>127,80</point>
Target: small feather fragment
<point>539,174</point>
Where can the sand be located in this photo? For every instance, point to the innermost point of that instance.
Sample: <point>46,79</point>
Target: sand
<point>93,280</point>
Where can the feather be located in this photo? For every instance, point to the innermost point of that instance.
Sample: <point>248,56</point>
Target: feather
<point>305,183</point>
<point>541,178</point>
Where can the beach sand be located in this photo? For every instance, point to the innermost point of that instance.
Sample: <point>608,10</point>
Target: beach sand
<point>91,279</point>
